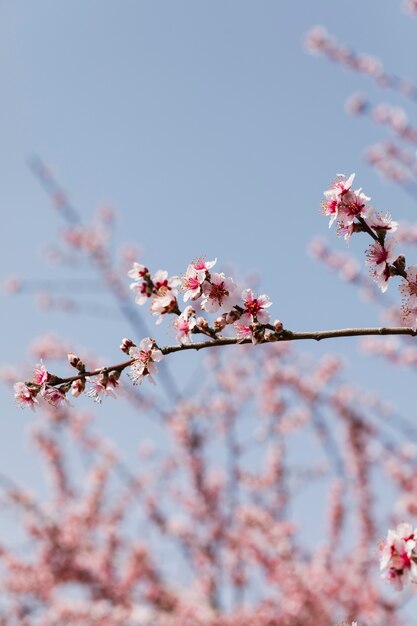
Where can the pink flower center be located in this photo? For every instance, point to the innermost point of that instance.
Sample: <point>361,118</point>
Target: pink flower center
<point>218,292</point>
<point>252,306</point>
<point>200,264</point>
<point>191,282</point>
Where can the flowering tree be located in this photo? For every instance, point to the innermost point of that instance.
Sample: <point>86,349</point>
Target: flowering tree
<point>207,531</point>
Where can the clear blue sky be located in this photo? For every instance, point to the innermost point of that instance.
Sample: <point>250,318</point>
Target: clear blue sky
<point>211,131</point>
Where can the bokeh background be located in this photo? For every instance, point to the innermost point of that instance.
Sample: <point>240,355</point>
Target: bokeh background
<point>210,130</point>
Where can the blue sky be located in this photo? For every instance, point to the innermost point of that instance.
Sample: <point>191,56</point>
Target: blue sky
<point>211,131</point>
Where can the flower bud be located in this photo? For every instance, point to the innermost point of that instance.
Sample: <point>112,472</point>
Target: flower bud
<point>76,362</point>
<point>279,327</point>
<point>202,323</point>
<point>220,323</point>
<point>126,345</point>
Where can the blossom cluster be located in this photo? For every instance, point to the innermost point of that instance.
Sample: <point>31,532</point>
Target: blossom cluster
<point>351,210</point>
<point>399,556</point>
<point>206,292</point>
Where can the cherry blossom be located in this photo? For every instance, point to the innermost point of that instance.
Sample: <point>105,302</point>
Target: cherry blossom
<point>53,395</point>
<point>244,328</point>
<point>100,388</point>
<point>145,358</point>
<point>191,283</point>
<point>379,258</point>
<point>334,196</point>
<point>255,307</point>
<point>202,264</point>
<point>40,375</point>
<point>184,324</point>
<point>138,272</point>
<point>194,277</point>
<point>399,556</point>
<point>219,293</point>
<point>25,396</point>
<point>380,223</point>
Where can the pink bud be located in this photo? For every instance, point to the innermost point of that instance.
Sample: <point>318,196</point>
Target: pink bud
<point>126,345</point>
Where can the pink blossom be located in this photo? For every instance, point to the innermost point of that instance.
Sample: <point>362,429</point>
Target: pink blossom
<point>184,325</point>
<point>381,223</point>
<point>344,205</point>
<point>145,358</point>
<point>142,287</point>
<point>162,283</point>
<point>165,292</point>
<point>334,196</point>
<point>162,305</point>
<point>54,396</point>
<point>194,277</point>
<point>399,556</point>
<point>352,205</point>
<point>25,396</point>
<point>379,257</point>
<point>99,390</point>
<point>138,271</point>
<point>192,281</point>
<point>218,293</point>
<point>142,291</point>
<point>255,307</point>
<point>202,264</point>
<point>243,327</point>
<point>40,375</point>
<point>408,287</point>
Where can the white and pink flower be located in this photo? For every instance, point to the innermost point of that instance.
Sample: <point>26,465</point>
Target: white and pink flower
<point>145,359</point>
<point>99,390</point>
<point>194,277</point>
<point>345,205</point>
<point>399,556</point>
<point>165,294</point>
<point>219,293</point>
<point>255,307</point>
<point>202,264</point>
<point>244,328</point>
<point>191,283</point>
<point>142,291</point>
<point>142,287</point>
<point>40,375</point>
<point>408,289</point>
<point>381,223</point>
<point>25,396</point>
<point>53,396</point>
<point>379,258</point>
<point>138,272</point>
<point>334,196</point>
<point>184,325</point>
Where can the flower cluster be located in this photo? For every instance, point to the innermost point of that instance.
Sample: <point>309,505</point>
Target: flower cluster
<point>212,292</point>
<point>161,289</point>
<point>143,359</point>
<point>399,556</point>
<point>209,292</point>
<point>350,209</point>
<point>345,205</point>
<point>42,384</point>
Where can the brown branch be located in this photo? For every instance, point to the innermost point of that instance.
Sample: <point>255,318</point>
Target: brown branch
<point>285,335</point>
